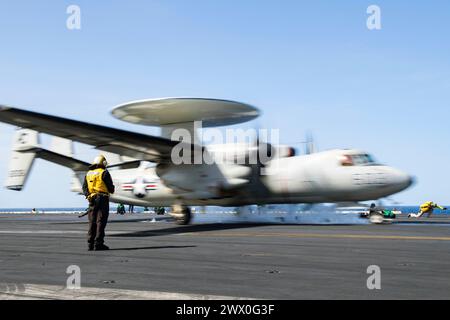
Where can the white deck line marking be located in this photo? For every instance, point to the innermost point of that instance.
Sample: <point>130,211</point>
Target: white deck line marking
<point>54,232</point>
<point>41,292</point>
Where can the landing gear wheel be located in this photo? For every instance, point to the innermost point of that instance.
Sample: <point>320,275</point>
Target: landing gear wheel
<point>376,218</point>
<point>182,214</point>
<point>187,216</point>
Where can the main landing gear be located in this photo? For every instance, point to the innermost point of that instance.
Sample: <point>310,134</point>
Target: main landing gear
<point>182,214</point>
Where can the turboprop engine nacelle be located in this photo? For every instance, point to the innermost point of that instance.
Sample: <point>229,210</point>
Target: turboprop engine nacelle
<point>244,153</point>
<point>213,180</point>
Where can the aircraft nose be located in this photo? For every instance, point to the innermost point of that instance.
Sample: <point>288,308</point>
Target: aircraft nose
<point>403,180</point>
<point>411,180</point>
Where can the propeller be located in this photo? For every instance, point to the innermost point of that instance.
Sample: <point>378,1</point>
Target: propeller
<point>263,149</point>
<point>309,143</point>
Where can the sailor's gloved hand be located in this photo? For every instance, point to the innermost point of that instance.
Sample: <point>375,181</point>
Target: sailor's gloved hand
<point>90,198</point>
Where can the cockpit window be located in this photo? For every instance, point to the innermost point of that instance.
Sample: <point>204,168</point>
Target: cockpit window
<point>370,158</point>
<point>357,160</point>
<point>346,160</point>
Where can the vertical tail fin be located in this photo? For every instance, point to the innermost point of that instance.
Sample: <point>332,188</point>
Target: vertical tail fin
<point>62,146</point>
<point>21,161</point>
<point>65,147</point>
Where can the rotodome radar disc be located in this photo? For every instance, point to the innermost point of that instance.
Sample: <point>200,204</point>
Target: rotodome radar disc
<point>167,111</point>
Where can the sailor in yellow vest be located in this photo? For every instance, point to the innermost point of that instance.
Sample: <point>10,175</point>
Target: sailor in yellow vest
<point>426,207</point>
<point>97,187</point>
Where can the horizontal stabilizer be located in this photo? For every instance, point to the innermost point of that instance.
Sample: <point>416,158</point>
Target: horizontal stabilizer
<point>62,160</point>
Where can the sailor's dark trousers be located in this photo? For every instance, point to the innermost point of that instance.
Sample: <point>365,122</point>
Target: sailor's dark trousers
<point>98,218</point>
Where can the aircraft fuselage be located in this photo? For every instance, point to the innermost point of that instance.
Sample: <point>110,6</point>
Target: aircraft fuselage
<point>329,176</point>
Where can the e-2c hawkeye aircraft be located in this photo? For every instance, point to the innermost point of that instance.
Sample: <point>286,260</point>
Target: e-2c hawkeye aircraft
<point>145,172</point>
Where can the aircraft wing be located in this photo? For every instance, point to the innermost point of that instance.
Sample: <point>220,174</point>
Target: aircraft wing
<point>211,180</point>
<point>135,145</point>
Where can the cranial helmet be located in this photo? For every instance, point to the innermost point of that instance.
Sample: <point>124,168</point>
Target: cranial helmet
<point>100,161</point>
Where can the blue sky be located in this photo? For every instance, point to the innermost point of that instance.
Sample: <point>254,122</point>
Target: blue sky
<point>308,65</point>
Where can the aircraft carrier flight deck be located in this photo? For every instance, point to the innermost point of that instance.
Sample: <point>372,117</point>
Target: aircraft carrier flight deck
<point>159,260</point>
